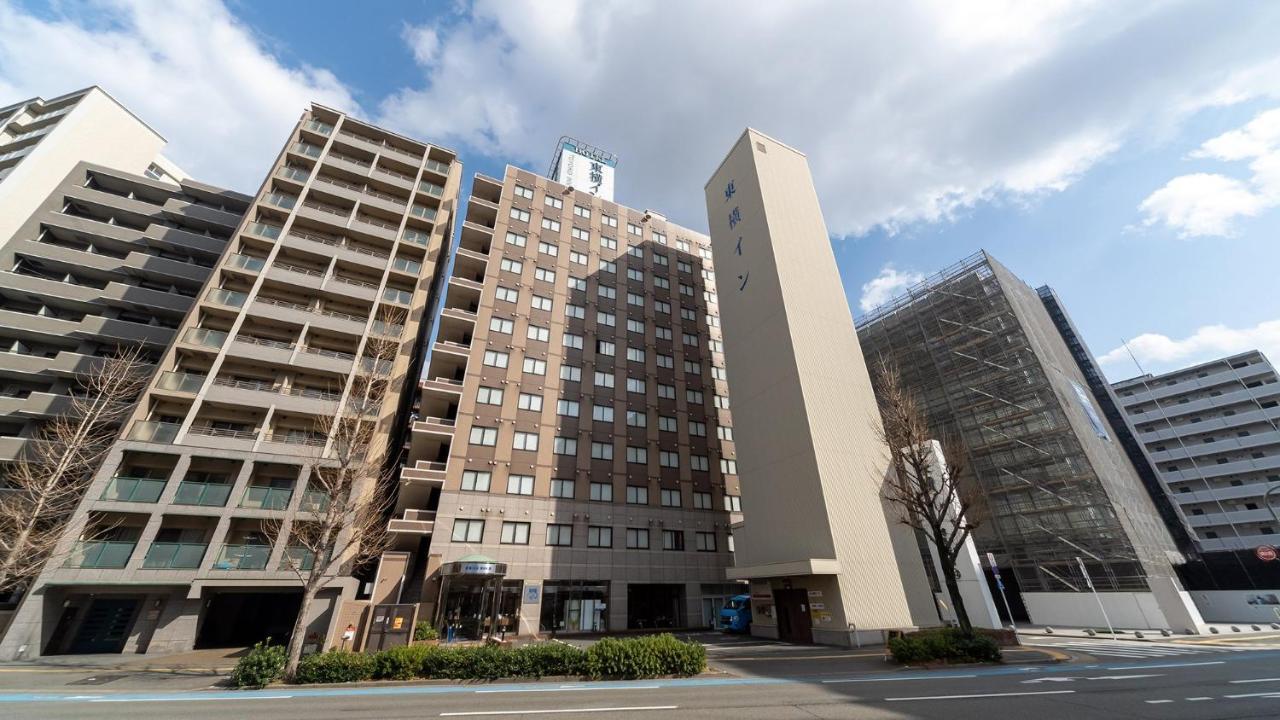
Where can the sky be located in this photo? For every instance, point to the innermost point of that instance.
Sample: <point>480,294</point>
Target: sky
<point>1125,153</point>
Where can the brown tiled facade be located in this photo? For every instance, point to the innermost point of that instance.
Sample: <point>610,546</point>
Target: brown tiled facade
<point>573,429</point>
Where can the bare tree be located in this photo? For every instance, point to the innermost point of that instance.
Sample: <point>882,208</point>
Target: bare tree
<point>45,484</point>
<point>925,494</point>
<point>344,525</point>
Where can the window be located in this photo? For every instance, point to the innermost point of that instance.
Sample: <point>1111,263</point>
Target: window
<point>533,366</point>
<point>637,418</point>
<point>515,533</point>
<point>635,355</point>
<point>604,379</point>
<point>666,423</point>
<point>666,392</point>
<point>575,311</point>
<point>718,373</point>
<point>528,401</point>
<point>660,259</point>
<point>637,539</point>
<point>692,368</point>
<point>636,251</point>
<point>732,503</point>
<point>494,358</point>
<point>690,339</point>
<point>467,530</point>
<point>683,266</point>
<point>524,441</point>
<point>609,221</point>
<point>635,326</point>
<point>673,540</point>
<point>577,257</point>
<point>698,429</point>
<point>608,243</point>
<point>693,396</point>
<point>511,266</point>
<point>635,385</point>
<point>608,266</point>
<point>547,248</point>
<point>724,432</point>
<point>635,274</point>
<point>507,294</point>
<point>662,333</point>
<point>549,224</point>
<point>635,299</point>
<point>701,500</point>
<point>661,282</point>
<point>476,480</point>
<point>577,283</point>
<point>571,373</point>
<point>604,347</point>
<point>602,413</point>
<point>559,534</point>
<point>538,333</point>
<point>602,492</point>
<point>487,437</point>
<point>666,361</point>
<point>554,202</point>
<point>682,245</point>
<point>704,542</point>
<point>564,446</point>
<point>686,289</point>
<point>544,275</point>
<point>669,459</point>
<point>637,495</point>
<point>567,408</point>
<point>728,467</point>
<point>524,192</point>
<point>688,314</point>
<point>659,238</point>
<point>721,401</point>
<point>541,303</point>
<point>728,541</point>
<point>599,537</point>
<point>518,214</point>
<point>562,488</point>
<point>489,396</point>
<point>637,455</point>
<point>516,239</point>
<point>699,462</point>
<point>670,498</point>
<point>607,292</point>
<point>601,451</point>
<point>633,229</point>
<point>579,234</point>
<point>581,212</point>
<point>519,484</point>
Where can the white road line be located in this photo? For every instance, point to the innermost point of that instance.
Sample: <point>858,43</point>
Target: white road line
<point>1167,665</point>
<point>1158,702</point>
<point>1254,680</point>
<point>896,679</point>
<point>559,711</point>
<point>567,688</point>
<point>1252,695</point>
<point>1198,699</point>
<point>980,695</point>
<point>193,699</point>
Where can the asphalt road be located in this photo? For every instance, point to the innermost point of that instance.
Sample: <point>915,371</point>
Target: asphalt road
<point>763,681</point>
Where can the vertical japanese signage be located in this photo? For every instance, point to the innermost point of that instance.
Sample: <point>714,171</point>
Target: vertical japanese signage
<point>584,167</point>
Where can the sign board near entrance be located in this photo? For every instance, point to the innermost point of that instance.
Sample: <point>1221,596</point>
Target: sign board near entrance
<point>532,594</point>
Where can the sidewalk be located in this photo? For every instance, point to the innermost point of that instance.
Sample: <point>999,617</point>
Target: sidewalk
<point>203,662</point>
<point>1224,634</point>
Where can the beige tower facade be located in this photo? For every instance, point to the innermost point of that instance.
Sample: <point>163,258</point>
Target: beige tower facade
<point>816,545</point>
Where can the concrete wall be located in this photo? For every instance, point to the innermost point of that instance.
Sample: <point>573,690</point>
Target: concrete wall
<point>1234,606</point>
<point>1128,610</point>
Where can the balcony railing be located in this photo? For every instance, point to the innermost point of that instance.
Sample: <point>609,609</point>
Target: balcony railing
<point>266,498</point>
<point>298,558</point>
<point>406,265</point>
<point>302,148</point>
<point>286,304</point>
<point>319,127</point>
<point>246,262</point>
<point>255,385</point>
<point>314,501</point>
<point>371,220</point>
<point>214,431</point>
<point>401,297</point>
<point>280,200</point>
<point>298,437</point>
<point>242,557</point>
<point>353,281</point>
<point>267,342</point>
<point>431,188</point>
<point>417,237</point>
<point>131,489</point>
<point>422,211</point>
<point>101,554</point>
<point>387,329</point>
<point>180,382</point>
<point>298,269</point>
<point>349,158</point>
<point>205,336</point>
<point>326,352</point>
<point>437,166</point>
<point>152,431</point>
<point>294,172</point>
<point>343,213</point>
<point>202,494</point>
<point>394,173</point>
<point>230,298</point>
<point>174,556</point>
<point>270,232</point>
<point>312,393</point>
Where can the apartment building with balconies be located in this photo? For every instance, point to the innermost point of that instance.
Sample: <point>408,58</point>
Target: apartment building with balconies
<point>571,466</point>
<point>173,546</point>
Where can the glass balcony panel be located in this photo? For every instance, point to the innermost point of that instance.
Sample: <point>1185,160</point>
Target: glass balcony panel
<point>205,337</point>
<point>246,262</point>
<point>242,557</point>
<point>266,498</point>
<point>417,237</point>
<point>173,556</point>
<point>314,501</point>
<point>151,431</point>
<point>103,554</point>
<point>263,229</point>
<point>307,149</point>
<point>297,558</point>
<point>402,297</point>
<point>202,494</point>
<point>131,489</point>
<point>180,382</point>
<point>319,127</point>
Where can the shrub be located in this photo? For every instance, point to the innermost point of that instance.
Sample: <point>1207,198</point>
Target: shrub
<point>643,657</point>
<point>262,665</point>
<point>945,645</point>
<point>424,630</point>
<point>335,666</point>
<point>550,658</point>
<point>399,663</point>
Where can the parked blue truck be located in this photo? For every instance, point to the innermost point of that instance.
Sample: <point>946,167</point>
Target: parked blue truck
<point>735,617</point>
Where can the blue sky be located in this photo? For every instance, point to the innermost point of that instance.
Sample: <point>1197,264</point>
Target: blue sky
<point>1121,152</point>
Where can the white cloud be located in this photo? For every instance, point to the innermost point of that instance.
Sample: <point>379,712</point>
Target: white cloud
<point>1208,204</point>
<point>1159,353</point>
<point>909,111</point>
<point>885,286</point>
<point>189,68</point>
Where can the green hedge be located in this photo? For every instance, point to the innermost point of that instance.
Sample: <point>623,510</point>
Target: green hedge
<point>636,657</point>
<point>262,665</point>
<point>945,645</point>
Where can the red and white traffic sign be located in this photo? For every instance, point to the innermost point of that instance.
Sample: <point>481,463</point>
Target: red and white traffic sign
<point>1265,553</point>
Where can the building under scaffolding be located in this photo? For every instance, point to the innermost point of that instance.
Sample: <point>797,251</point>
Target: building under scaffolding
<point>1047,478</point>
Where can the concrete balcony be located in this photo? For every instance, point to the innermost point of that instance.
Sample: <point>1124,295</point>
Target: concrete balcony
<point>424,473</point>
<point>1177,410</point>
<point>1235,517</point>
<point>303,315</point>
<point>459,314</point>
<point>183,210</point>
<point>131,295</point>
<point>474,255</point>
<point>28,325</point>
<point>22,366</point>
<point>449,347</point>
<point>376,227</point>
<point>70,364</point>
<point>44,405</point>
<point>160,235</point>
<point>1218,470</point>
<point>448,387</point>
<point>1163,432</point>
<point>155,266</point>
<point>413,522</point>
<point>11,448</point>
<point>296,276</point>
<point>67,257</point>
<point>252,395</point>
<point>1238,492</point>
<point>125,331</point>
<point>1221,445</point>
<point>265,351</point>
<point>81,295</point>
<point>338,247</point>
<point>351,288</point>
<point>1162,391</point>
<point>347,163</point>
<point>321,359</point>
<point>213,437</point>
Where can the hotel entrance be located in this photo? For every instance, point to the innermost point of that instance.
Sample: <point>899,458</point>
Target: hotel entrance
<point>477,602</point>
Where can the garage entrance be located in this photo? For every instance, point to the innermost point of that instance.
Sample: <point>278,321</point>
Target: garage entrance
<point>92,625</point>
<point>792,608</point>
<point>240,619</point>
<point>655,605</point>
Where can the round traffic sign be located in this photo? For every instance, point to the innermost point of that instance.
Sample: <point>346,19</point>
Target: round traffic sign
<point>1265,553</point>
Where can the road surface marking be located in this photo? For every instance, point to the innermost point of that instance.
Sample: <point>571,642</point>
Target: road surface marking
<point>1238,682</point>
<point>191,699</point>
<point>1035,681</point>
<point>896,679</point>
<point>718,658</point>
<point>1158,702</point>
<point>1169,665</point>
<point>1252,695</point>
<point>558,711</point>
<point>980,695</point>
<point>568,688</point>
<point>1198,699</point>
